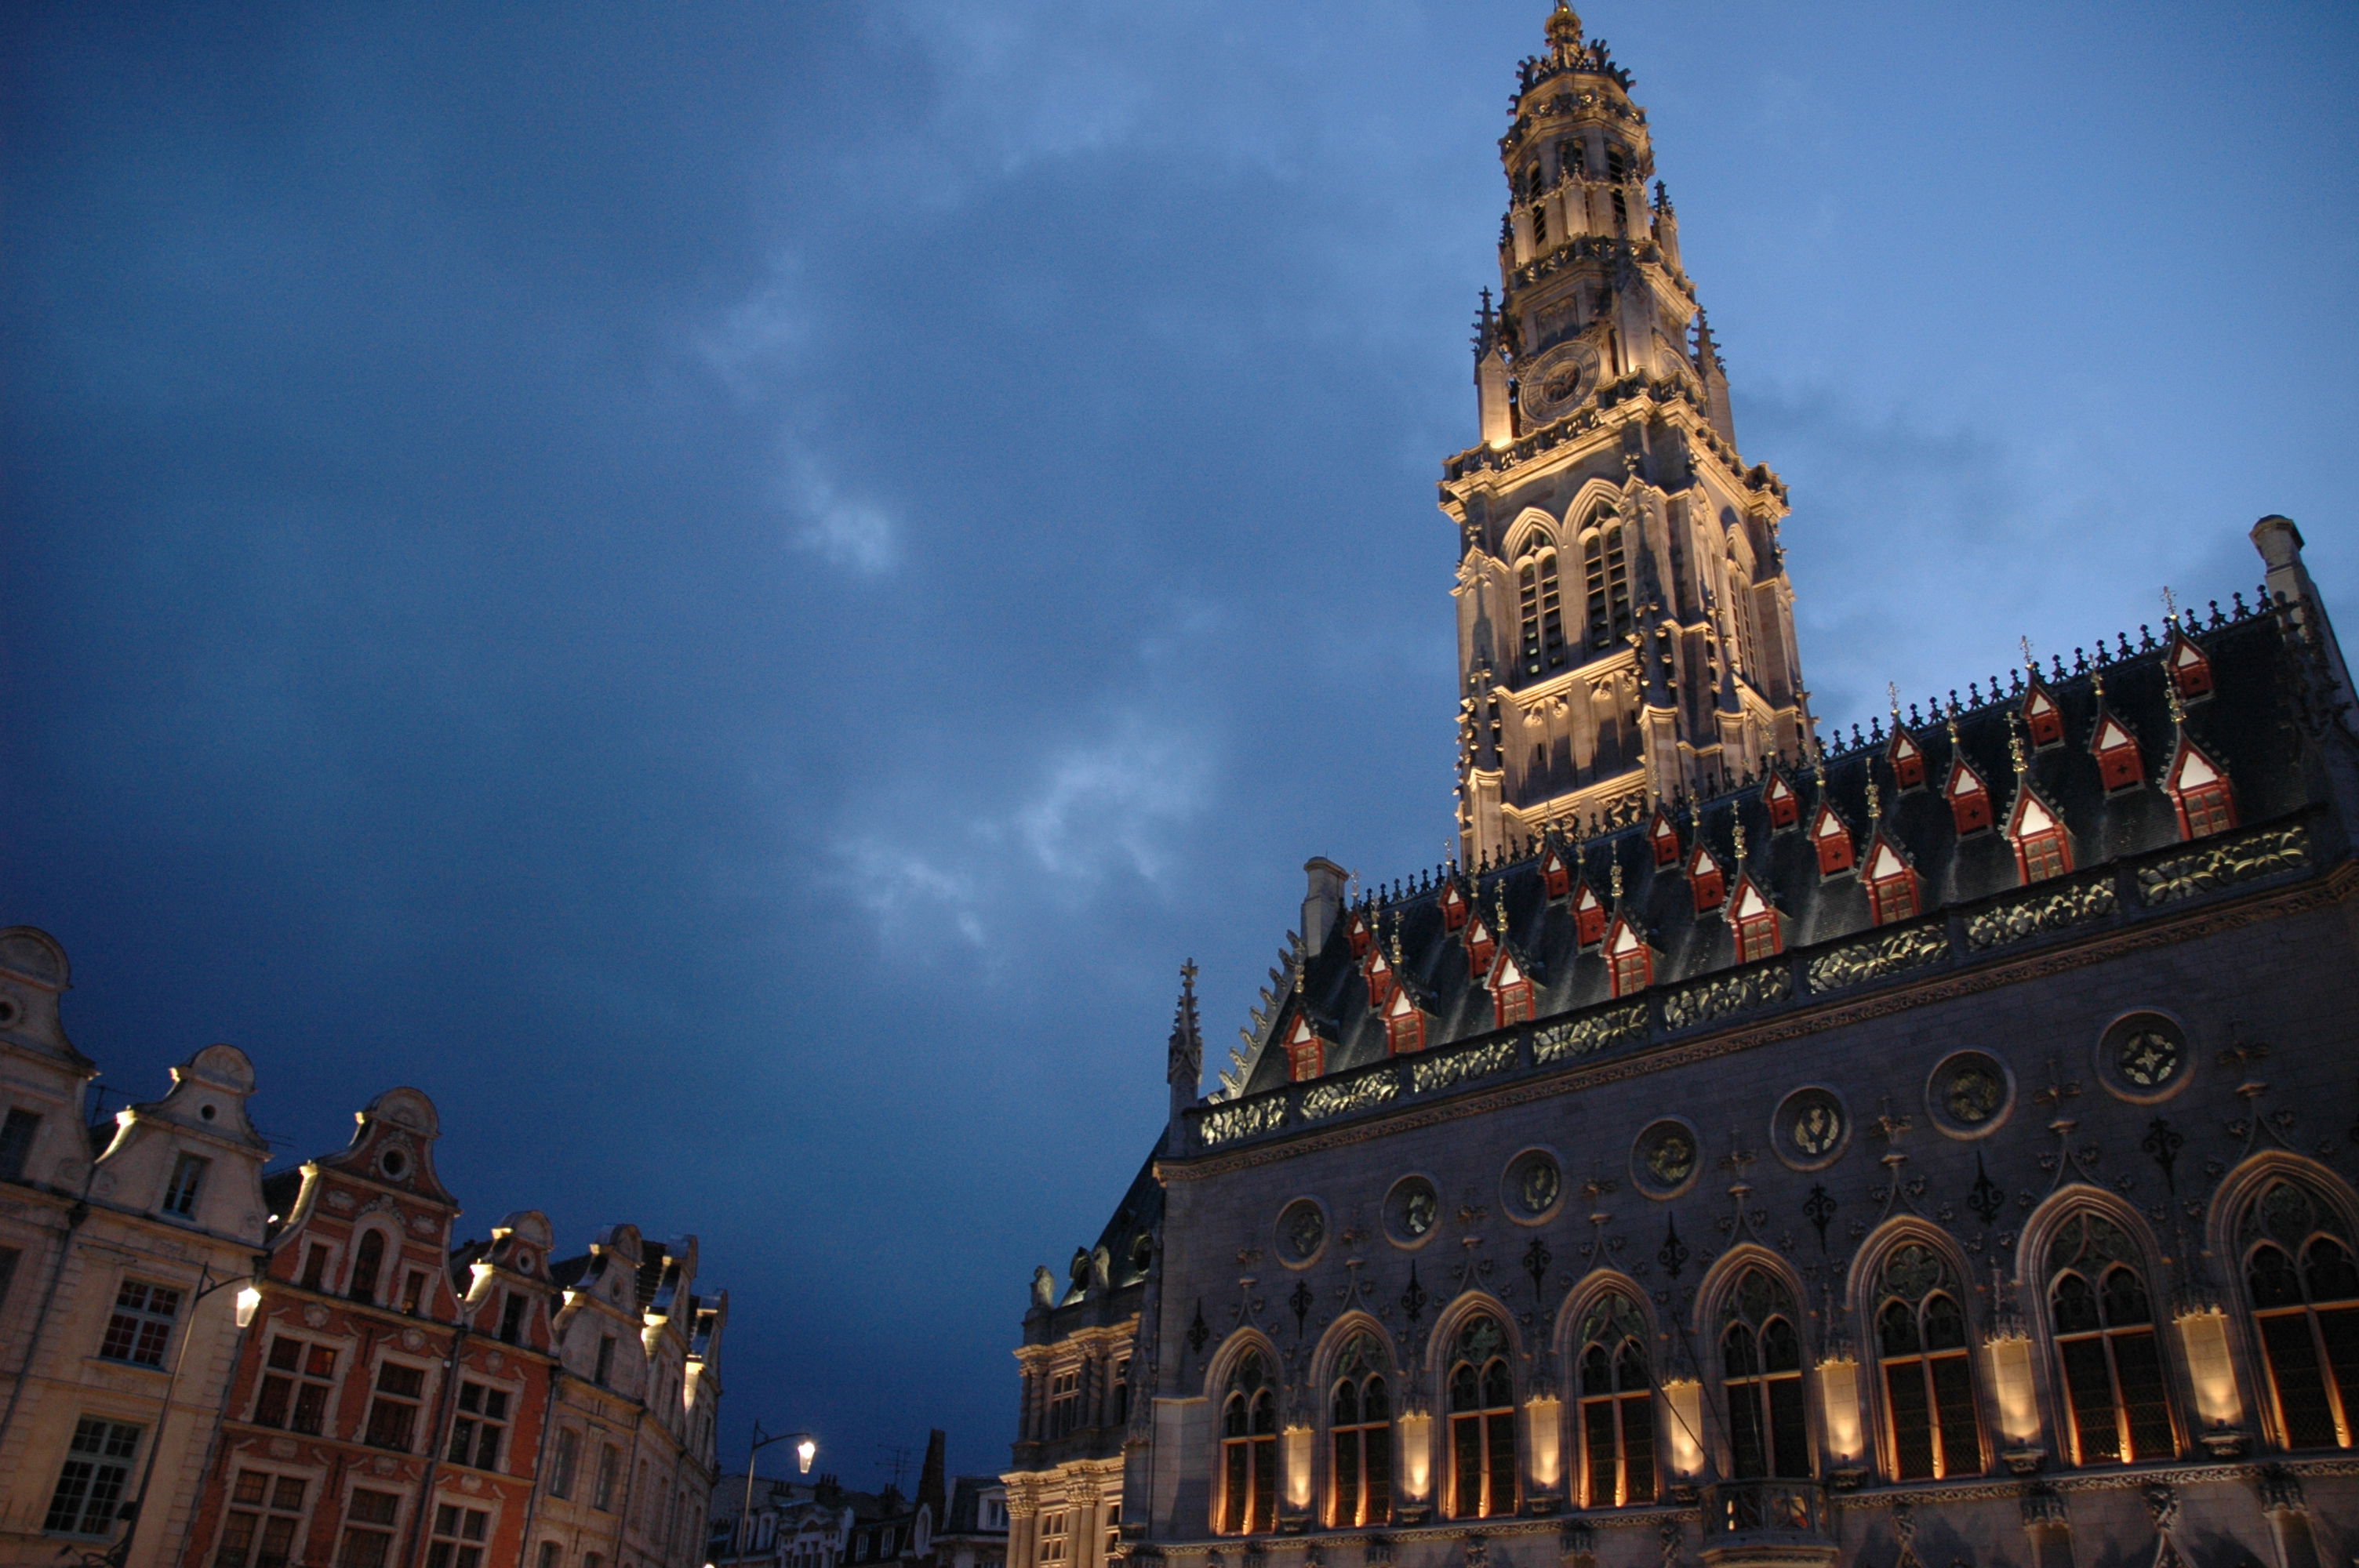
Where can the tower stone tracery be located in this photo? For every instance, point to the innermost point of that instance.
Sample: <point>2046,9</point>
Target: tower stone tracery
<point>1625,627</point>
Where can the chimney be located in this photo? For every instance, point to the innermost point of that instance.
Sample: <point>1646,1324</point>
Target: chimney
<point>2280,542</point>
<point>1322,903</point>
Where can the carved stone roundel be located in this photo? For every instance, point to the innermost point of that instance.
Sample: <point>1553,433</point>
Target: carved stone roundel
<point>315,1315</point>
<point>412,1340</point>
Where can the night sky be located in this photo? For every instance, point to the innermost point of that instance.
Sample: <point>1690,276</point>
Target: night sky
<point>728,591</point>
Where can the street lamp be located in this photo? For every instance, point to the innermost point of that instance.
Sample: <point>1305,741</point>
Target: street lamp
<point>806,1450</point>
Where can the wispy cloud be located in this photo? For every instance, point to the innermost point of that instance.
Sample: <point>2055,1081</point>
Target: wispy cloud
<point>844,529</point>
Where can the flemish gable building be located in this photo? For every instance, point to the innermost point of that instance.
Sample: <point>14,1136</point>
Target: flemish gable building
<point>1928,1144</point>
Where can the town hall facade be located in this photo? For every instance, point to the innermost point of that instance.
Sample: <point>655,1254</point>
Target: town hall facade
<point>1927,1146</point>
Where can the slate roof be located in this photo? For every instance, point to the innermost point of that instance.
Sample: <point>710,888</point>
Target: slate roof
<point>2254,724</point>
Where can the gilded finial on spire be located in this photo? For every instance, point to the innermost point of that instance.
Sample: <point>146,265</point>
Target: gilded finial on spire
<point>1564,28</point>
<point>2015,746</point>
<point>1875,807</point>
<point>2028,661</point>
<point>2169,606</point>
<point>1892,690</point>
<point>1617,879</point>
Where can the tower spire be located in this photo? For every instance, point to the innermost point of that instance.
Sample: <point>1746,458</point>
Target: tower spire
<point>1184,1065</point>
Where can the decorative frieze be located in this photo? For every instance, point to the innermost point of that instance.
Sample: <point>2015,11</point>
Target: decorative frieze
<point>1581,1036</point>
<point>1324,1101</point>
<point>2224,865</point>
<point>1242,1118</point>
<point>2047,912</point>
<point>1728,993</point>
<point>1871,960</point>
<point>1461,1067</point>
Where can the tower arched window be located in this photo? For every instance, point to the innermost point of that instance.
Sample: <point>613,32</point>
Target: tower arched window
<point>1740,591</point>
<point>1481,1422</point>
<point>2104,1323</point>
<point>1542,600</point>
<point>1360,1441</point>
<point>1929,1396</point>
<point>2304,1288</point>
<point>1605,577</point>
<point>1617,1407</point>
<point>1249,1450</point>
<point>1761,1361</point>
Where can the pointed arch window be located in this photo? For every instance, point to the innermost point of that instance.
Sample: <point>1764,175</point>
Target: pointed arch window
<point>2101,1315</point>
<point>1360,1441</point>
<point>2199,790</point>
<point>1543,611</point>
<point>1481,1422</point>
<point>1832,841</point>
<point>2041,849</point>
<point>1631,961</point>
<point>1249,1450</point>
<point>1707,880</point>
<point>1757,936</point>
<point>1588,916</point>
<point>1617,1407</point>
<point>2304,1289</point>
<point>1605,568</point>
<point>1892,891</point>
<point>2191,671</point>
<point>1761,1361</point>
<point>1403,1024</point>
<point>1511,992</point>
<point>2119,766</point>
<point>1907,759</point>
<point>1785,805</point>
<point>1306,1052</point>
<point>1969,800</point>
<point>2042,719</point>
<point>1929,1393</point>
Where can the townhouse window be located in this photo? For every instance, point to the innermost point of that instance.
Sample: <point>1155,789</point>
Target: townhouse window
<point>1617,1407</point>
<point>368,1530</point>
<point>1056,1537</point>
<point>258,1528</point>
<point>565,1463</point>
<point>8,1256</point>
<point>2112,1360</point>
<point>141,1324</point>
<point>603,1376</point>
<point>2304,1291</point>
<point>1064,1400</point>
<point>512,1317</point>
<point>1360,1438</point>
<point>552,1555</point>
<point>1122,1392</point>
<point>296,1380</point>
<point>610,1466</point>
<point>1249,1450</point>
<point>477,1430</point>
<point>393,1409</point>
<point>1112,1537</point>
<point>1481,1423</point>
<point>16,1141</point>
<point>315,1264</point>
<point>1929,1396</point>
<point>413,1290</point>
<point>187,1181</point>
<point>458,1538</point>
<point>368,1263</point>
<point>88,1494</point>
<point>1761,1362</point>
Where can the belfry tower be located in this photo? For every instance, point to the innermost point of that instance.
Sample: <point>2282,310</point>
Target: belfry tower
<point>1625,631</point>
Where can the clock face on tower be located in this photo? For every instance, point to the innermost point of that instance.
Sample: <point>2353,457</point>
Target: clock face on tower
<point>1554,383</point>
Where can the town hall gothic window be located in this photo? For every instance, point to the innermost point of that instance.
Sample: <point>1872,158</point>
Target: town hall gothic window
<point>1929,1398</point>
<point>1249,1450</point>
<point>2103,1321</point>
<point>1481,1422</point>
<point>2305,1296</point>
<point>1617,1406</point>
<point>1542,604</point>
<point>1761,1357</point>
<point>1360,1444</point>
<point>1605,572</point>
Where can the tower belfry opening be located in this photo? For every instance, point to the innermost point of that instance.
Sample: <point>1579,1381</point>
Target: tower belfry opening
<point>1625,626</point>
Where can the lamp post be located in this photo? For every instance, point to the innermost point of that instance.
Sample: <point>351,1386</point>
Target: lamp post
<point>806,1450</point>
<point>248,1301</point>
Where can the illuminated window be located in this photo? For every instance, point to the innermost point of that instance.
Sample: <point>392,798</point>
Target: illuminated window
<point>1306,1052</point>
<point>1892,892</point>
<point>258,1528</point>
<point>1360,1473</point>
<point>1757,936</point>
<point>2042,719</point>
<point>296,1382</point>
<point>1761,1361</point>
<point>1785,805</point>
<point>1405,1024</point>
<point>1928,1397</point>
<point>2206,805</point>
<point>1907,759</point>
<point>1064,1402</point>
<point>88,1494</point>
<point>2041,849</point>
<point>1249,1451</point>
<point>141,1324</point>
<point>1630,959</point>
<point>1588,916</point>
<point>1543,607</point>
<point>2118,762</point>
<point>1111,1520</point>
<point>1481,1423</point>
<point>2105,1342</point>
<point>1831,839</point>
<point>1617,1407</point>
<point>1706,881</point>
<point>1511,992</point>
<point>2307,1314</point>
<point>1055,1536</point>
<point>1969,801</point>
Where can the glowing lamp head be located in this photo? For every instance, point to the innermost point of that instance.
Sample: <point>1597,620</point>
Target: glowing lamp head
<point>249,1300</point>
<point>805,1452</point>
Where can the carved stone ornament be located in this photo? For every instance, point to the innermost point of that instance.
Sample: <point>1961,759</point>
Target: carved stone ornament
<point>341,1200</point>
<point>494,1361</point>
<point>1324,1100</point>
<point>422,1224</point>
<point>1580,1036</point>
<point>383,1465</point>
<point>471,1483</point>
<point>1871,960</point>
<point>412,1340</point>
<point>1728,993</point>
<point>2025,917</point>
<point>2224,865</point>
<point>1244,1120</point>
<point>1444,1072</point>
<point>315,1315</point>
<point>284,1448</point>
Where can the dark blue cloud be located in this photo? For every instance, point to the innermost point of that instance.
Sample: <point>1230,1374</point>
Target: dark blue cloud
<point>729,592</point>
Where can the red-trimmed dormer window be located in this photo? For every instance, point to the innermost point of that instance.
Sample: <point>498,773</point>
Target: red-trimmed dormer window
<point>1708,882</point>
<point>1404,1024</point>
<point>2041,849</point>
<point>1588,916</point>
<point>2042,717</point>
<point>1969,801</point>
<point>1630,960</point>
<point>1666,841</point>
<point>1832,841</point>
<point>1453,907</point>
<point>2206,804</point>
<point>1306,1052</point>
<point>1757,936</point>
<point>1556,873</point>
<point>1480,946</point>
<point>1511,992</point>
<point>1381,983</point>
<point>2191,671</point>
<point>1359,935</point>
<point>2118,762</point>
<point>1907,759</point>
<point>1785,805</point>
<point>1892,891</point>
